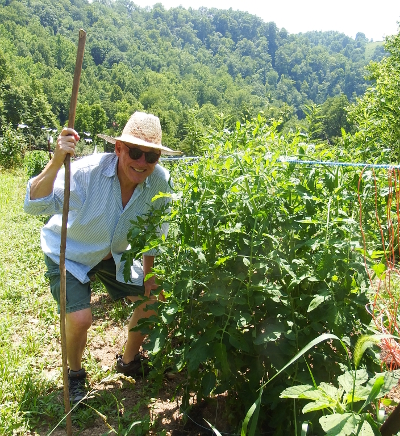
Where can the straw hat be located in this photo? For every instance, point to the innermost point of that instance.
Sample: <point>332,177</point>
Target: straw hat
<point>142,129</point>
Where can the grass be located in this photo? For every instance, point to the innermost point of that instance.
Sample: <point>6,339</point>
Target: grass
<point>30,353</point>
<point>27,318</point>
<point>370,48</point>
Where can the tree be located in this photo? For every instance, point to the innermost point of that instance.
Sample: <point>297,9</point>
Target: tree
<point>3,67</point>
<point>271,34</point>
<point>377,113</point>
<point>314,122</point>
<point>334,114</point>
<point>99,119</point>
<point>90,119</point>
<point>83,118</point>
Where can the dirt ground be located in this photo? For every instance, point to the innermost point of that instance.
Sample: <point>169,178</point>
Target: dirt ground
<point>164,411</point>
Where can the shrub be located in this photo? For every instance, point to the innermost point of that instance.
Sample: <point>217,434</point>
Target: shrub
<point>12,148</point>
<point>34,162</point>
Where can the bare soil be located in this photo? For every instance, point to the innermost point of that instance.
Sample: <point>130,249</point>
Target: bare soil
<point>106,339</point>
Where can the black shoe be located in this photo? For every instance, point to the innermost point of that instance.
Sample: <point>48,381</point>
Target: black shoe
<point>138,367</point>
<point>77,385</point>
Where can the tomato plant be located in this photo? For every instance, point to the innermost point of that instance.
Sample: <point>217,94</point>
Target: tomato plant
<point>263,255</point>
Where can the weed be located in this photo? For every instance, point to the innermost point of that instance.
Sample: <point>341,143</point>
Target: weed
<point>34,162</point>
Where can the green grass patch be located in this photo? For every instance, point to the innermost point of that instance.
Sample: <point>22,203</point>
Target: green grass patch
<point>27,316</point>
<point>370,49</point>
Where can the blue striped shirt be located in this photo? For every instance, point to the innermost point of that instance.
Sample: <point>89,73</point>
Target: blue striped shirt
<point>97,222</point>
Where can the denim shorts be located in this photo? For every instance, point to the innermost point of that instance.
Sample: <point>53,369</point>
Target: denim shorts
<point>79,294</point>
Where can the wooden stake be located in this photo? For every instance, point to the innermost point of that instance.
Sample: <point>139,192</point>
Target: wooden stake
<point>71,122</point>
<point>392,424</point>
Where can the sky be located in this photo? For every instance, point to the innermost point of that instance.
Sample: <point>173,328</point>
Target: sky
<point>376,19</point>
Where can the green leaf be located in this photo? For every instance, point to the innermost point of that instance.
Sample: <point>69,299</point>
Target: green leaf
<point>211,333</point>
<point>238,341</point>
<point>339,424</point>
<point>391,379</point>
<point>201,256</point>
<point>388,402</point>
<point>216,309</point>
<point>222,358</point>
<point>310,345</point>
<point>316,405</point>
<point>300,391</point>
<point>366,429</point>
<point>346,380</point>
<point>360,394</point>
<point>158,344</point>
<point>319,299</point>
<point>208,383</point>
<point>198,353</point>
<point>222,260</point>
<point>244,319</point>
<point>374,392</point>
<point>254,421</point>
<point>293,283</point>
<point>196,356</point>
<point>168,315</point>
<point>379,269</point>
<point>270,334</point>
<point>133,424</point>
<point>329,390</point>
<point>254,410</point>
<point>172,308</point>
<point>213,428</point>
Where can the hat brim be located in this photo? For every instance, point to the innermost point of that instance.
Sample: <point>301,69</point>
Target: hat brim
<point>137,141</point>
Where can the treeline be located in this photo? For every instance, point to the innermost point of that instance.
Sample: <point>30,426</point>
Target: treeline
<point>193,68</point>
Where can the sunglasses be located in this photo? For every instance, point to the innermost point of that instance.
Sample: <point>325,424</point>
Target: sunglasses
<point>136,153</point>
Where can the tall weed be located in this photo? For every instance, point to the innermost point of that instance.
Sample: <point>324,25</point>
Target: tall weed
<point>34,162</point>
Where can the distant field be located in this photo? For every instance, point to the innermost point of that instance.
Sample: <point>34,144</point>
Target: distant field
<point>370,48</point>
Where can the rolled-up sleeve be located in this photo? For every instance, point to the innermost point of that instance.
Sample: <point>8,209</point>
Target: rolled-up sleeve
<point>40,206</point>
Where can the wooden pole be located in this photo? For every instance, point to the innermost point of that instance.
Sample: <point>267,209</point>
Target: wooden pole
<point>392,424</point>
<point>71,122</point>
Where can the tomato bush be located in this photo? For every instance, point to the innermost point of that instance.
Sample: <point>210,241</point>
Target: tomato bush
<point>263,255</point>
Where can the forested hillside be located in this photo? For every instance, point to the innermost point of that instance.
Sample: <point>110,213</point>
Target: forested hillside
<point>187,66</point>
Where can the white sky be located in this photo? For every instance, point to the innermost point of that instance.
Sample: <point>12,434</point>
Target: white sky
<point>376,19</point>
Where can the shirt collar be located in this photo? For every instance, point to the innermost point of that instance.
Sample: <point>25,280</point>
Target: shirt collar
<point>110,170</point>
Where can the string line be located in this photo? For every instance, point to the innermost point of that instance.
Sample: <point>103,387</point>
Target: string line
<point>300,162</point>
